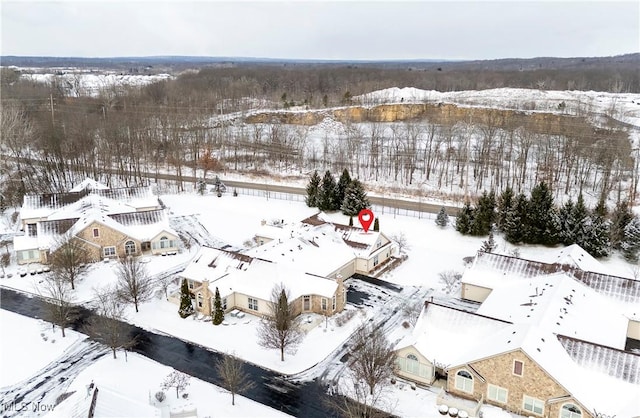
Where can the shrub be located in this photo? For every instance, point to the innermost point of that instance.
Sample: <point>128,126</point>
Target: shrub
<point>160,396</point>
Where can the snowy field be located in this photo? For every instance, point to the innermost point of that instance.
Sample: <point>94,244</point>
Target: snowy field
<point>28,345</point>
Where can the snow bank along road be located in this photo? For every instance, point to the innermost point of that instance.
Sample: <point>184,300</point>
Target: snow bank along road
<point>303,399</point>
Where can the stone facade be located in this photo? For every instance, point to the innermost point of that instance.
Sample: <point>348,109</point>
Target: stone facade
<point>499,371</point>
<point>107,237</point>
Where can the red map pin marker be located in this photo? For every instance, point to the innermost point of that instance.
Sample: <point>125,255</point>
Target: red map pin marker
<point>366,219</point>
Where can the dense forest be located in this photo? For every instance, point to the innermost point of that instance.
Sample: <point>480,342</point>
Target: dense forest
<point>204,120</point>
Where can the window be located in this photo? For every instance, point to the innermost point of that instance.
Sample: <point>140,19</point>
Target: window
<point>191,284</point>
<point>129,247</point>
<point>378,244</point>
<point>253,304</point>
<point>109,251</point>
<point>32,230</point>
<point>164,242</point>
<point>333,302</point>
<point>375,261</point>
<point>224,304</point>
<point>569,410</point>
<point>497,394</point>
<point>306,305</point>
<point>532,405</point>
<point>324,304</point>
<point>517,367</point>
<point>29,254</point>
<point>96,232</point>
<point>412,365</point>
<point>199,300</point>
<point>464,381</point>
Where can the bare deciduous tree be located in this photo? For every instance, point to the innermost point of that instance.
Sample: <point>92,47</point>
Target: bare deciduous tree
<point>69,260</point>
<point>412,310</point>
<point>177,380</point>
<point>401,239</point>
<point>450,279</point>
<point>107,324</point>
<point>134,283</point>
<point>373,360</point>
<point>61,307</point>
<point>351,399</point>
<point>280,329</point>
<point>234,378</point>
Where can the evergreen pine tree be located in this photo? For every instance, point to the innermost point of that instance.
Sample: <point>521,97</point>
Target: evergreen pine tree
<point>327,192</point>
<point>442,220</point>
<point>597,243</point>
<point>355,199</point>
<point>484,214</point>
<point>489,245</point>
<point>566,223</point>
<point>620,218</point>
<point>505,202</point>
<point>600,209</point>
<point>312,190</point>
<point>218,313</point>
<point>376,225</point>
<point>186,307</point>
<point>630,245</point>
<point>341,188</point>
<point>583,223</point>
<point>541,217</point>
<point>464,219</point>
<point>515,225</point>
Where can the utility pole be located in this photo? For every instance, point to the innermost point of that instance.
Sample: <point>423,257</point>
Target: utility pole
<point>51,104</point>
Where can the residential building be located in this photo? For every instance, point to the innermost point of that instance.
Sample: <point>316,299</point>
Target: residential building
<point>547,345</point>
<point>108,222</point>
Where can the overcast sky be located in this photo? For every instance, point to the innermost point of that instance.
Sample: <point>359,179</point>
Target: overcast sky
<point>356,30</point>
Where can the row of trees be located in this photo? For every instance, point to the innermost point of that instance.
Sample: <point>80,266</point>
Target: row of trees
<point>347,194</point>
<point>537,220</point>
<point>160,128</point>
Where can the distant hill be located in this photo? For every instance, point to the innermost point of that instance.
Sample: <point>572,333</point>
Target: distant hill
<point>181,62</point>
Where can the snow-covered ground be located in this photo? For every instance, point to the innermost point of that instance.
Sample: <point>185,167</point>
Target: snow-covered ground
<point>235,220</point>
<point>120,377</point>
<point>624,107</point>
<point>78,83</point>
<point>34,342</point>
<point>24,352</point>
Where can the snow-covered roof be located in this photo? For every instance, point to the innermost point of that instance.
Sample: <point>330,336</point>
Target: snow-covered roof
<point>362,243</point>
<point>559,304</point>
<point>318,250</point>
<point>239,273</point>
<point>88,184</point>
<point>610,361</point>
<point>54,206</point>
<point>440,332</point>
<point>491,269</point>
<point>112,403</point>
<point>576,256</point>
